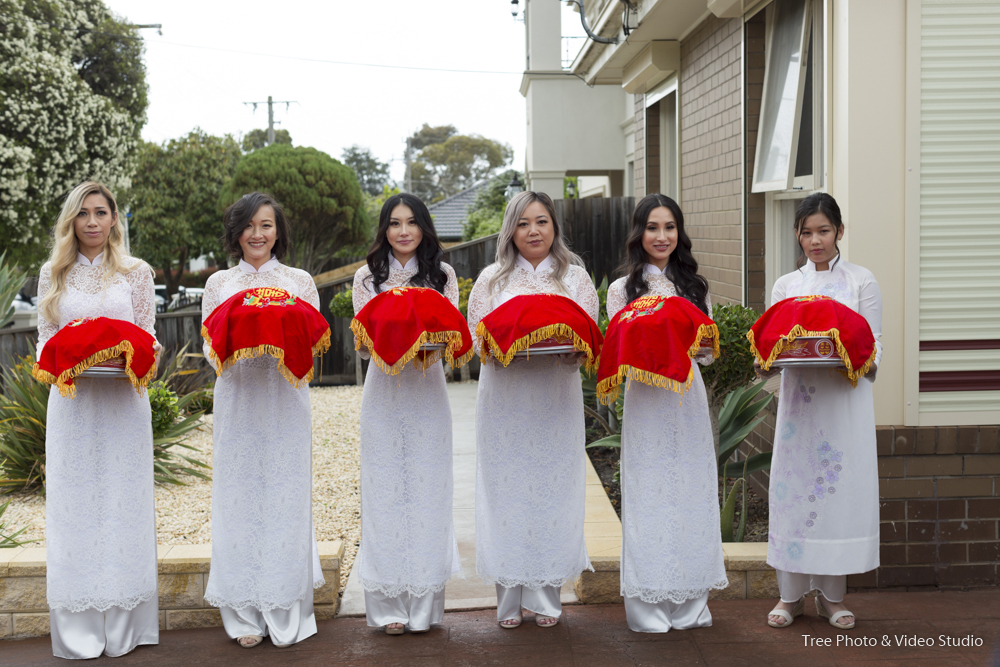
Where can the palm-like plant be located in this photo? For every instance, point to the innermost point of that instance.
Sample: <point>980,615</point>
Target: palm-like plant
<point>11,283</point>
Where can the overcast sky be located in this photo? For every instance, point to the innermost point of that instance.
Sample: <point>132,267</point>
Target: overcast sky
<point>213,56</point>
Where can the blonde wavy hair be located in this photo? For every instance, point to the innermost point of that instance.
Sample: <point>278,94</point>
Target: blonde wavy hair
<point>562,256</point>
<point>65,247</point>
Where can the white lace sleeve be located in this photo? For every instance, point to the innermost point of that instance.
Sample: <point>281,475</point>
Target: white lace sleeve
<point>480,303</point>
<point>143,297</point>
<point>870,308</point>
<point>361,294</point>
<point>584,292</point>
<point>617,298</point>
<point>210,300</point>
<point>450,287</point>
<point>310,293</point>
<point>707,361</point>
<point>46,329</point>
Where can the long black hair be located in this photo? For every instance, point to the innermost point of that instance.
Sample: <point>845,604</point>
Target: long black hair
<point>823,204</point>
<point>429,252</point>
<point>238,216</point>
<point>682,268</point>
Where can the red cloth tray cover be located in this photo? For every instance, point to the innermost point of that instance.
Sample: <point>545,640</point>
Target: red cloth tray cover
<point>814,315</point>
<point>89,341</point>
<point>267,321</point>
<point>652,340</point>
<point>397,322</point>
<point>524,320</point>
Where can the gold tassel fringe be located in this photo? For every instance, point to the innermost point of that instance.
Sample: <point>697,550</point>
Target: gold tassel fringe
<point>453,340</point>
<point>785,342</point>
<point>267,350</point>
<point>523,343</point>
<point>67,390</point>
<point>609,387</point>
<point>706,331</point>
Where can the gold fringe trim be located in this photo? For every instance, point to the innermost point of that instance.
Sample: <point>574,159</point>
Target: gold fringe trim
<point>785,342</point>
<point>706,331</point>
<point>453,340</point>
<point>267,350</point>
<point>609,387</point>
<point>536,336</point>
<point>67,389</point>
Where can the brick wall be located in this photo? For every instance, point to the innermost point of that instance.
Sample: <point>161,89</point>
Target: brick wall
<point>710,153</point>
<point>753,92</point>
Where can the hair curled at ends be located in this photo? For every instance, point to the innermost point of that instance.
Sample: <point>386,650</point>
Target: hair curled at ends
<point>238,216</point>
<point>562,256</point>
<point>428,254</point>
<point>65,247</point>
<point>682,268</point>
<point>825,205</point>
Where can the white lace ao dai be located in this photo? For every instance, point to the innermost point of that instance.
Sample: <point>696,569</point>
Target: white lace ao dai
<point>530,466</point>
<point>100,518</point>
<point>407,533</point>
<point>263,545</point>
<point>671,546</point>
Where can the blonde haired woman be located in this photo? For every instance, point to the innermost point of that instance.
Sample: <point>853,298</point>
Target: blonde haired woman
<point>530,468</point>
<point>100,523</point>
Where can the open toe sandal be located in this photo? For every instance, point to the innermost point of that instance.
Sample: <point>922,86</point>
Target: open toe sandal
<point>799,609</point>
<point>823,613</point>
<point>511,623</point>
<point>257,640</point>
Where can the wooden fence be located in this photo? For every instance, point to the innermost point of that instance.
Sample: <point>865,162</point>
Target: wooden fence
<point>596,230</point>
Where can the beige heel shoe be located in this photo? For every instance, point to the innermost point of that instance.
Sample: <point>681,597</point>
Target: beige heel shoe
<point>541,617</point>
<point>394,631</point>
<point>511,623</point>
<point>823,613</point>
<point>799,609</point>
<point>256,640</point>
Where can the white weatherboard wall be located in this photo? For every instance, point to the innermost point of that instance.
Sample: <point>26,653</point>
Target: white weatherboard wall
<point>959,195</point>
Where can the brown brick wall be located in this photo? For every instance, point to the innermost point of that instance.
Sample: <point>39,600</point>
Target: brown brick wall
<point>710,153</point>
<point>753,92</point>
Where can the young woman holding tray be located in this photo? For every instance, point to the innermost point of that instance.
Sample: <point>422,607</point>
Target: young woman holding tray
<point>408,548</point>
<point>672,548</point>
<point>823,498</point>
<point>530,467</point>
<point>265,563</point>
<point>100,518</point>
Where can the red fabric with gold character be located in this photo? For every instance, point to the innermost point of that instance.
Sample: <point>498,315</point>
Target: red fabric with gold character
<point>267,321</point>
<point>525,320</point>
<point>652,340</point>
<point>396,323</point>
<point>89,341</point>
<point>814,315</point>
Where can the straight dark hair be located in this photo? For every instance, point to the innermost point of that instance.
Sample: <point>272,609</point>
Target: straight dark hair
<point>429,252</point>
<point>682,268</point>
<point>817,203</point>
<point>238,216</point>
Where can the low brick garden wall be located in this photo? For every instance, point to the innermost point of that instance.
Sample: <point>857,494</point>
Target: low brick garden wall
<point>183,574</point>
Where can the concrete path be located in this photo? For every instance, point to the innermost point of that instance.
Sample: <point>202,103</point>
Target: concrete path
<point>597,636</point>
<point>471,592</point>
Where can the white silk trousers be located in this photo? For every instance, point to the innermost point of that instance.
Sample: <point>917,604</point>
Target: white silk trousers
<point>666,615</point>
<point>793,585</point>
<point>284,626</point>
<point>544,601</point>
<point>81,635</point>
<point>417,612</point>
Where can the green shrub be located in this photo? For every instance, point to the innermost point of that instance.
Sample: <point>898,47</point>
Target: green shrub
<point>163,405</point>
<point>342,303</point>
<point>464,290</point>
<point>734,367</point>
<point>23,408</point>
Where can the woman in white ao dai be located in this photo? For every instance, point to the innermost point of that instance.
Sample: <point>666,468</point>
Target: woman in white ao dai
<point>100,518</point>
<point>671,547</point>
<point>408,548</point>
<point>265,563</point>
<point>530,467</point>
<point>823,497</point>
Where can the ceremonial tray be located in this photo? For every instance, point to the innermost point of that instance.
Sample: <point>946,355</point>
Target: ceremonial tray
<point>112,368</point>
<point>432,347</point>
<point>809,351</point>
<point>546,349</point>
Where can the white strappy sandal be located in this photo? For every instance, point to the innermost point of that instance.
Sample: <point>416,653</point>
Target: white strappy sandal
<point>823,613</point>
<point>799,609</point>
<point>511,623</point>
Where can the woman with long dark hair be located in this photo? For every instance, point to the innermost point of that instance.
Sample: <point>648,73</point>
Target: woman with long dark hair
<point>823,498</point>
<point>265,563</point>
<point>408,549</point>
<point>671,548</point>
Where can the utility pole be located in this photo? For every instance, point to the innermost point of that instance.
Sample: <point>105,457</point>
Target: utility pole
<point>270,114</point>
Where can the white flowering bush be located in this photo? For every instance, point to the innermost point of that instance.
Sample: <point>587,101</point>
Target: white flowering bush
<point>72,105</point>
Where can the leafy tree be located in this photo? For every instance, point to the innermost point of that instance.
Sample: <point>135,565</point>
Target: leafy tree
<point>428,135</point>
<point>321,196</point>
<point>72,106</point>
<point>486,212</point>
<point>456,164</point>
<point>255,139</point>
<point>174,200</point>
<point>373,175</point>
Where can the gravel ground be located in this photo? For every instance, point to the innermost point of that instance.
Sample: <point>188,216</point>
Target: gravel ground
<point>184,513</point>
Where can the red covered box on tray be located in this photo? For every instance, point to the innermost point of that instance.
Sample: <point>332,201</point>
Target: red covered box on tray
<point>417,324</point>
<point>652,340</point>
<point>119,348</point>
<point>539,324</point>
<point>267,321</point>
<point>813,331</point>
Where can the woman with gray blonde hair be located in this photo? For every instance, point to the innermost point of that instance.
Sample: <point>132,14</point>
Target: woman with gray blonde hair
<point>100,522</point>
<point>530,467</point>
